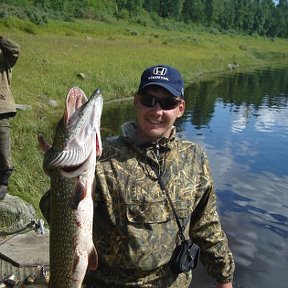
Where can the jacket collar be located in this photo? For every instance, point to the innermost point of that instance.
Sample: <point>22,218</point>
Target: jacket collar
<point>129,134</point>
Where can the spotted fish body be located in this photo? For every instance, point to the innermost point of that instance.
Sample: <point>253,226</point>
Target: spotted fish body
<point>70,163</point>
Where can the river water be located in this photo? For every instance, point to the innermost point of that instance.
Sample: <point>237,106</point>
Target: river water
<point>242,122</point>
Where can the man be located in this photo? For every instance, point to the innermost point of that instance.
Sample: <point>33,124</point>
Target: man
<point>9,53</point>
<point>135,231</point>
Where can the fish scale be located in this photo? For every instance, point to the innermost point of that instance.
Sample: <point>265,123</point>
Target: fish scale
<point>59,264</point>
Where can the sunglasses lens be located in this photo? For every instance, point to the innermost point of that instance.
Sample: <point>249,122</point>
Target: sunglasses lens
<point>168,103</point>
<point>165,103</point>
<point>147,100</point>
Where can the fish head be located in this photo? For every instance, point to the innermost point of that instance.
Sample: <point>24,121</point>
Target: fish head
<point>77,137</point>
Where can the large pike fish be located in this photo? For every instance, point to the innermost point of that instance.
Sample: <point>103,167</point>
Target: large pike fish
<point>70,163</point>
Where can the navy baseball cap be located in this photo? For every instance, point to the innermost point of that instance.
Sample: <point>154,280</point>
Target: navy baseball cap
<point>164,76</point>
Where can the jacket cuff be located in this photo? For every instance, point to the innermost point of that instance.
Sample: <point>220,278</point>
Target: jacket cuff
<point>226,280</point>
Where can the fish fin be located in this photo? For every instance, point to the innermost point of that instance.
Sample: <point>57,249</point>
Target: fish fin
<point>80,193</point>
<point>93,259</point>
<point>44,145</point>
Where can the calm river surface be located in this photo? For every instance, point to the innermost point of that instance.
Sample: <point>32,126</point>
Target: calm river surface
<point>242,122</point>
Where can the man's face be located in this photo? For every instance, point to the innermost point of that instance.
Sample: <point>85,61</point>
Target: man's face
<point>156,122</point>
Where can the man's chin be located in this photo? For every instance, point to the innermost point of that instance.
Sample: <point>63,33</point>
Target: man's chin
<point>155,135</point>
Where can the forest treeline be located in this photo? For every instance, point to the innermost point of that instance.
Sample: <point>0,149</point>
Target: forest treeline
<point>262,17</point>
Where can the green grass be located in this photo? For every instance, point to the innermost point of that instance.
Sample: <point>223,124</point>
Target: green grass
<point>112,57</point>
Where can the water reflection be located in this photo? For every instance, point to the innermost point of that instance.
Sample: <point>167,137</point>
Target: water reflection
<point>243,124</point>
<point>242,121</point>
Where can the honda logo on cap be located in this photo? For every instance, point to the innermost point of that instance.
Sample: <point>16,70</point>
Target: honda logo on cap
<point>160,71</point>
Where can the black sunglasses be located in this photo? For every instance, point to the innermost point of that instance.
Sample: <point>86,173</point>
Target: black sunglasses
<point>167,103</point>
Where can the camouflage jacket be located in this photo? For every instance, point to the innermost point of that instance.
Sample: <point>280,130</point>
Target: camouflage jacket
<point>135,231</point>
<point>9,53</point>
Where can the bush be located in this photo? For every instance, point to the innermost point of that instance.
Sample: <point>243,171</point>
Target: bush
<point>132,32</point>
<point>36,16</point>
<point>123,14</point>
<point>143,18</point>
<point>213,31</point>
<point>29,29</point>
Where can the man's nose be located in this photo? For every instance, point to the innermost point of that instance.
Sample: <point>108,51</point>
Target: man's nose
<point>157,107</point>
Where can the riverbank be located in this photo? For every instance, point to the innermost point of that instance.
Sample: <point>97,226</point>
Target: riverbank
<point>59,55</point>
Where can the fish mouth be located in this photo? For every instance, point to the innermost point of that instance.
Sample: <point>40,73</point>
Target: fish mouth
<point>69,169</point>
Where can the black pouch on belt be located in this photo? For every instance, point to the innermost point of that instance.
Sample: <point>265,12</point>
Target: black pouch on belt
<point>184,257</point>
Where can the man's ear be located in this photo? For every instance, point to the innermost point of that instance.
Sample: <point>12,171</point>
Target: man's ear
<point>181,108</point>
